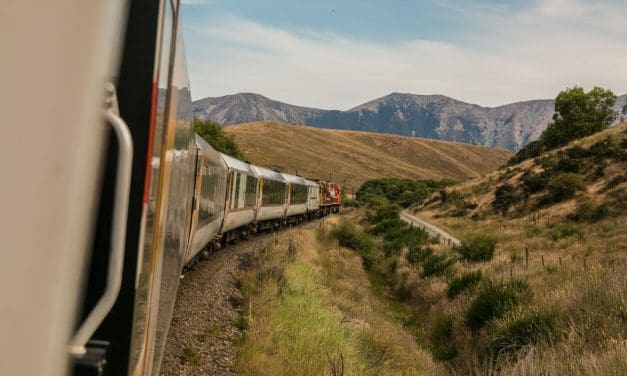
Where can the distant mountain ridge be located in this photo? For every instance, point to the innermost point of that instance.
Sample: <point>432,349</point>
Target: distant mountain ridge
<point>510,126</point>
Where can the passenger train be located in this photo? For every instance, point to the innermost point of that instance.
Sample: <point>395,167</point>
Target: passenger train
<point>107,193</point>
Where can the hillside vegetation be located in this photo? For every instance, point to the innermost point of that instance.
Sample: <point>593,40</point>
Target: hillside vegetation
<point>360,156</point>
<point>538,286</point>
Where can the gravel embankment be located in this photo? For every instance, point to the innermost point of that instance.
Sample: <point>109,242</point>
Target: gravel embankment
<point>202,338</point>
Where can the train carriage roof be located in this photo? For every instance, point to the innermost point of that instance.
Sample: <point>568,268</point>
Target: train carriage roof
<point>311,183</point>
<point>237,165</point>
<point>265,173</point>
<point>293,179</point>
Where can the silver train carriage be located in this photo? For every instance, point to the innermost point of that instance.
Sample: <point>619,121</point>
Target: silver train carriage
<point>297,197</point>
<point>209,204</point>
<point>240,200</point>
<point>272,198</point>
<point>313,198</point>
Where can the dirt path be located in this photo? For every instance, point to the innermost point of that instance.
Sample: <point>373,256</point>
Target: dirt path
<point>202,337</point>
<point>445,237</point>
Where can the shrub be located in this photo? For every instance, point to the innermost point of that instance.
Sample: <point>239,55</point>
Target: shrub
<point>466,281</point>
<point>533,183</point>
<point>400,237</point>
<point>400,191</point>
<point>606,148</point>
<point>504,197</point>
<point>520,332</point>
<point>568,165</point>
<point>564,230</point>
<point>417,253</point>
<point>387,225</point>
<point>531,150</point>
<point>576,152</point>
<point>441,337</point>
<point>348,236</point>
<point>215,136</point>
<point>478,248</point>
<point>381,209</point>
<point>586,211</point>
<point>563,187</point>
<point>492,301</point>
<point>436,265</point>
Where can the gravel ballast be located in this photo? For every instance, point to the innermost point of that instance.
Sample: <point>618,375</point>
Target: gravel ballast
<point>202,339</point>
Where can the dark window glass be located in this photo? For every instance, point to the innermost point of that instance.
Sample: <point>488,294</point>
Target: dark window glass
<point>251,192</point>
<point>208,205</point>
<point>273,192</point>
<point>298,194</point>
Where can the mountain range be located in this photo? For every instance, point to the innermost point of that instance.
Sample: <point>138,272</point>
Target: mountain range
<point>510,126</point>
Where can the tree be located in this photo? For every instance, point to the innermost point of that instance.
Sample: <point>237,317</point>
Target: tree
<point>215,136</point>
<point>579,114</point>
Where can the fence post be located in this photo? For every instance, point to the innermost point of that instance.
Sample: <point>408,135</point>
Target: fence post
<point>542,260</point>
<point>526,257</point>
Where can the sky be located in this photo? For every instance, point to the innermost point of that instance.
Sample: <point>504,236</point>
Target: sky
<point>340,54</point>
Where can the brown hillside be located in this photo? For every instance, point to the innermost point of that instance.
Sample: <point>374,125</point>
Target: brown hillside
<point>359,156</point>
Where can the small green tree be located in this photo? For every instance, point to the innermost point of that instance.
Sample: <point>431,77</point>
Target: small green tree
<point>215,136</point>
<point>579,114</point>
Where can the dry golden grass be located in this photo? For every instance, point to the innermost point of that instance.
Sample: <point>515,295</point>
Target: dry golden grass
<point>360,156</point>
<point>576,271</point>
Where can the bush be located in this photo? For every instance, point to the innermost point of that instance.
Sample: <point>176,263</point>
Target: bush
<point>466,281</point>
<point>533,183</point>
<point>478,248</point>
<point>563,187</point>
<point>380,209</point>
<point>215,136</point>
<point>398,238</point>
<point>417,253</point>
<point>387,225</point>
<point>531,150</point>
<point>493,300</point>
<point>576,152</point>
<point>436,265</point>
<point>563,230</point>
<point>606,148</point>
<point>521,332</point>
<point>348,236</point>
<point>586,211</point>
<point>504,197</point>
<point>568,165</point>
<point>442,346</point>
<point>403,192</point>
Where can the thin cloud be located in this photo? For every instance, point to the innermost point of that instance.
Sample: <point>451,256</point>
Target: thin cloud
<point>534,54</point>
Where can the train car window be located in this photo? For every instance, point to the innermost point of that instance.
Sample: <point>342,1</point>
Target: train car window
<point>235,190</point>
<point>208,202</point>
<point>298,194</point>
<point>251,192</point>
<point>241,195</point>
<point>273,192</point>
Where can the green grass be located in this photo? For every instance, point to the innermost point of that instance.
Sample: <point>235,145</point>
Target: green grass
<point>521,331</point>
<point>190,356</point>
<point>477,249</point>
<point>492,301</point>
<point>464,282</point>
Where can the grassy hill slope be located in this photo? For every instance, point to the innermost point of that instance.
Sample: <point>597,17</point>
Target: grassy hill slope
<point>360,156</point>
<point>559,224</point>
